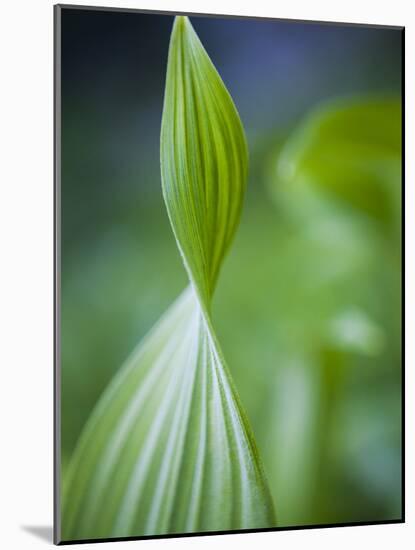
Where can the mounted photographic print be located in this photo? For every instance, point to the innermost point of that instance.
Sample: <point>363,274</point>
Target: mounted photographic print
<point>228,205</point>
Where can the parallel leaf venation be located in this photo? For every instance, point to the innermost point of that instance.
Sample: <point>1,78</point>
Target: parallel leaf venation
<point>168,448</point>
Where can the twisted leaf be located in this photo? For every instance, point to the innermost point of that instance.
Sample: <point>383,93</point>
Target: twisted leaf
<point>168,448</point>
<point>204,158</point>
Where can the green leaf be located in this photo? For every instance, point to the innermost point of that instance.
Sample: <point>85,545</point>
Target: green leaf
<point>204,158</point>
<point>168,448</point>
<point>352,151</point>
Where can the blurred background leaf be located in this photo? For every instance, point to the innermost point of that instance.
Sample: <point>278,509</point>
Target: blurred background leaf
<point>351,150</point>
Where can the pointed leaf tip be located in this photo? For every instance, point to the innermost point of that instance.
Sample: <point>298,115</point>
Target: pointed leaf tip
<point>204,158</point>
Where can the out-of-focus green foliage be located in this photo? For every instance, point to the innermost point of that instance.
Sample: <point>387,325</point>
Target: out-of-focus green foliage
<point>351,150</point>
<point>168,448</point>
<point>337,180</point>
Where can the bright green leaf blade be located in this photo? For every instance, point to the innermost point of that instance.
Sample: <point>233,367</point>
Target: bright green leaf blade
<point>203,158</point>
<point>351,150</point>
<point>167,450</point>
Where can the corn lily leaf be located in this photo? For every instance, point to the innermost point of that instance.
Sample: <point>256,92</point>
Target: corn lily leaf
<point>168,448</point>
<point>203,158</point>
